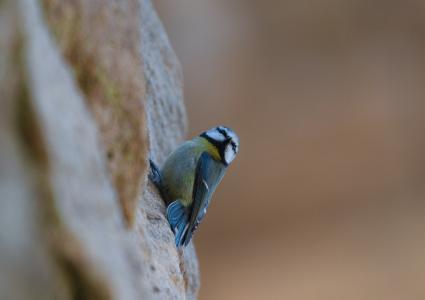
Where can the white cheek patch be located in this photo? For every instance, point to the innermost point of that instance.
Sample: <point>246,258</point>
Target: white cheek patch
<point>229,154</point>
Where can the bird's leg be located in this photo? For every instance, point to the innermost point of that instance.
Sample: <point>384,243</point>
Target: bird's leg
<point>155,175</point>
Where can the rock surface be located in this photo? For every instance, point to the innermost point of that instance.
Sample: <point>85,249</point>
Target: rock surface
<point>88,87</point>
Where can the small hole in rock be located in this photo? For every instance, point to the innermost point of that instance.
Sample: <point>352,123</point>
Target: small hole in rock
<point>156,289</point>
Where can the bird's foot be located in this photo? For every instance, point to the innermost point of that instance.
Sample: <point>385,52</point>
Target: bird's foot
<point>155,175</point>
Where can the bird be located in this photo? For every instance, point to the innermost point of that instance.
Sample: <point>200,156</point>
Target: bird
<point>190,175</point>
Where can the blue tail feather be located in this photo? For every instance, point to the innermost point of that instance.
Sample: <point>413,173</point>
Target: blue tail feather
<point>175,212</point>
<point>181,230</point>
<point>178,219</point>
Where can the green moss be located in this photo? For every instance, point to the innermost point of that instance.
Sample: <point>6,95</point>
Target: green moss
<point>109,87</point>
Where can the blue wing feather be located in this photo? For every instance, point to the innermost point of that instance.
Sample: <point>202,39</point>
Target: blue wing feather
<point>208,175</point>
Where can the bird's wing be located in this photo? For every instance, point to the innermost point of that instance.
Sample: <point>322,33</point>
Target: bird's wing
<point>208,175</point>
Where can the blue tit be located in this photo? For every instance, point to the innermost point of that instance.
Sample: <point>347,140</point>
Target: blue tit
<point>190,176</point>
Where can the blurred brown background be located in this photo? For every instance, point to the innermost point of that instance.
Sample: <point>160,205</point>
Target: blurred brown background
<point>326,199</point>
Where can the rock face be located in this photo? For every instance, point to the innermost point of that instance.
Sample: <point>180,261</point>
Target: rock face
<point>90,90</point>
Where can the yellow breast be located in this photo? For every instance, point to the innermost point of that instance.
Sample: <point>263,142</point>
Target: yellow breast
<point>210,148</point>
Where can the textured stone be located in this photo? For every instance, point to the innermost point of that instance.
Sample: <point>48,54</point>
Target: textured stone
<point>100,39</point>
<point>62,231</point>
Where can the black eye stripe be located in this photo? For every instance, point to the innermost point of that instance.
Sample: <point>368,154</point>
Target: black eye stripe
<point>233,146</point>
<point>223,132</point>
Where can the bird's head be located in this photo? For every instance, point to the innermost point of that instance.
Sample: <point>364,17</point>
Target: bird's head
<point>225,140</point>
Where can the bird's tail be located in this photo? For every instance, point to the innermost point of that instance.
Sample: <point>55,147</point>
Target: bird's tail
<point>179,221</point>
